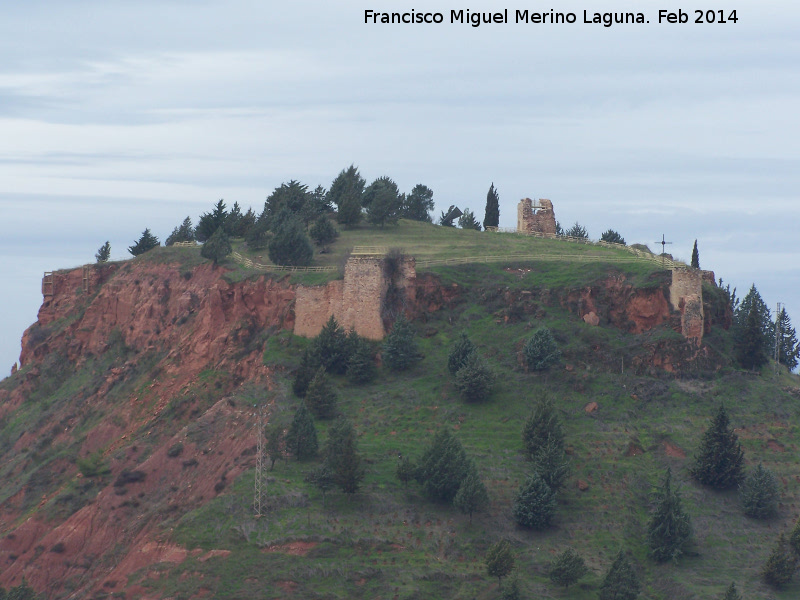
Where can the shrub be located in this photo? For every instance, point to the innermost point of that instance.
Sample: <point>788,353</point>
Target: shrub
<point>612,237</point>
<point>541,351</point>
<point>93,465</point>
<point>405,470</point>
<point>323,232</point>
<point>759,493</point>
<point>535,504</point>
<point>175,450</point>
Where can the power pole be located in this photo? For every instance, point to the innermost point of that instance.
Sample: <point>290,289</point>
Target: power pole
<point>258,492</point>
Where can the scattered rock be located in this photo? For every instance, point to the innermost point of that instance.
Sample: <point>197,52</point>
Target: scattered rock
<point>591,407</point>
<point>591,318</point>
<point>582,485</point>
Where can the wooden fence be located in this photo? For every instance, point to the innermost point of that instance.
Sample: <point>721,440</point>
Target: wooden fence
<point>278,268</point>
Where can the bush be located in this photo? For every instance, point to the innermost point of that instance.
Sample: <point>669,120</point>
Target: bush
<point>541,351</point>
<point>475,379</point>
<point>759,493</point>
<point>175,450</point>
<point>535,504</point>
<point>93,466</point>
<point>612,237</point>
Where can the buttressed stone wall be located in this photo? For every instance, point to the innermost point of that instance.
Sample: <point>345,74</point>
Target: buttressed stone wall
<point>357,302</point>
<point>686,296</point>
<point>540,220</point>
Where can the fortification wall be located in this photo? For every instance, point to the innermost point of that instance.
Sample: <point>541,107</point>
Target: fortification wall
<point>686,296</point>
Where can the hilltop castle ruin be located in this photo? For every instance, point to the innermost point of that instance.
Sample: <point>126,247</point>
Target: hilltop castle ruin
<point>536,218</point>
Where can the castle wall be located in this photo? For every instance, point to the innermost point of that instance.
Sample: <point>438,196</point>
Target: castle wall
<point>686,296</point>
<point>541,221</point>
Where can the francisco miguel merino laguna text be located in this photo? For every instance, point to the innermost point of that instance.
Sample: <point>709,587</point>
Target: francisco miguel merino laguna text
<point>606,19</point>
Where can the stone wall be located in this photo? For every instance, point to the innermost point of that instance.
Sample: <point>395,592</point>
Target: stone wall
<point>686,296</point>
<point>357,302</point>
<point>541,220</point>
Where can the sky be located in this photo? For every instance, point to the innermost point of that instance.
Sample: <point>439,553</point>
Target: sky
<point>116,116</point>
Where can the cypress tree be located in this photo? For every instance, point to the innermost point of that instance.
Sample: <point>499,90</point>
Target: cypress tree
<point>541,428</point>
<point>759,493</point>
<point>320,396</point>
<point>346,193</point>
<point>499,560</point>
<point>780,566</point>
<point>620,582</point>
<point>535,504</point>
<point>472,495</point>
<point>751,342</point>
<point>492,214</point>
<point>695,257</point>
<point>301,439</point>
<point>459,353</point>
<point>669,529</point>
<point>309,363</point>
<point>541,351</point>
<point>720,461</point>
<point>274,443</point>
<point>567,568</point>
<point>400,350</point>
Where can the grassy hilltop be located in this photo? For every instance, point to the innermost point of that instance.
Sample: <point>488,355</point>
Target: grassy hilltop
<point>390,541</point>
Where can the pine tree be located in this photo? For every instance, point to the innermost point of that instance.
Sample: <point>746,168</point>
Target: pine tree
<point>467,220</point>
<point>442,467</point>
<point>612,237</point>
<point>499,560</point>
<point>780,566</point>
<point>459,353</point>
<point>321,398</point>
<point>788,346</point>
<point>217,247</point>
<point>475,379</point>
<point>146,242</point>
<point>361,363</point>
<point>720,460</point>
<point>759,493</point>
<point>753,329</point>
<point>332,347</point>
<point>274,445</point>
<point>418,204</point>
<point>301,439</point>
<point>258,236</point>
<point>542,428</point>
<point>290,198</point>
<point>309,363</point>
<point>551,463</point>
<point>321,478</point>
<point>290,245</point>
<point>567,568</point>
<point>620,582</point>
<point>346,193</point>
<point>210,222</point>
<point>541,351</point>
<point>695,257</point>
<point>103,253</point>
<point>244,224</point>
<point>323,232</point>
<point>405,470</point>
<point>182,233</point>
<point>535,504</point>
<point>669,529</point>
<point>472,495</point>
<point>577,231</point>
<point>794,538</point>
<point>342,457</point>
<point>382,201</point>
<point>732,593</point>
<point>492,214</point>
<point>400,350</point>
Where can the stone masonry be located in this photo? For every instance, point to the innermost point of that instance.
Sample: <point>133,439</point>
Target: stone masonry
<point>686,296</point>
<point>357,302</point>
<point>536,220</point>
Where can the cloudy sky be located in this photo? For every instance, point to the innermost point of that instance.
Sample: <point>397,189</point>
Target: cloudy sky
<point>119,115</point>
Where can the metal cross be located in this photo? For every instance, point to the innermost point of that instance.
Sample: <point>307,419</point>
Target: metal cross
<point>663,243</point>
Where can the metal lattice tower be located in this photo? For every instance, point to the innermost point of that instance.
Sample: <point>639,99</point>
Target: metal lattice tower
<point>258,492</point>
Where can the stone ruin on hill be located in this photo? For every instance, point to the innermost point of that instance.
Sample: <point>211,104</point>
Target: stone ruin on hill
<point>536,218</point>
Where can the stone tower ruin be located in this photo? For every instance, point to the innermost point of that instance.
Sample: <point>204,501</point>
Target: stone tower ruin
<point>538,218</point>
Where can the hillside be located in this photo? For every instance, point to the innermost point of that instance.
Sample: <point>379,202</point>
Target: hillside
<point>128,436</point>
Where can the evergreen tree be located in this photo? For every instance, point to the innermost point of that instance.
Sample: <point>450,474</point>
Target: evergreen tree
<point>323,233</point>
<point>289,197</point>
<point>551,463</point>
<point>541,351</point>
<point>720,461</point>
<point>400,350</point>
<point>472,495</point>
<point>382,201</point>
<point>290,245</point>
<point>510,590</point>
<point>332,347</point>
<point>316,205</point>
<point>418,204</point>
<point>182,233</point>
<point>695,257</point>
<point>669,529</point>
<point>467,220</point>
<point>301,439</point>
<point>567,568</point>
<point>788,346</point>
<point>274,445</point>
<point>612,237</point>
<point>577,231</point>
<point>309,363</point>
<point>321,398</point>
<point>342,457</point>
<point>780,566</point>
<point>345,193</point>
<point>103,253</point>
<point>794,538</point>
<point>499,560</point>
<point>732,593</point>
<point>759,493</point>
<point>244,225</point>
<point>459,353</point>
<point>542,428</point>
<point>475,379</point>
<point>405,470</point>
<point>491,216</point>
<point>559,230</point>
<point>210,222</point>
<point>217,247</point>
<point>442,467</point>
<point>23,591</point>
<point>258,236</point>
<point>146,242</point>
<point>620,582</point>
<point>535,504</point>
<point>232,220</point>
<point>361,363</point>
<point>321,478</point>
<point>754,331</point>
